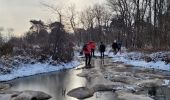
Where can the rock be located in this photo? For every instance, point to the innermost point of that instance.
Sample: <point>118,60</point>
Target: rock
<point>152,91</point>
<point>128,88</point>
<point>130,96</point>
<point>43,58</point>
<point>15,63</point>
<point>83,74</point>
<point>81,93</point>
<point>5,70</point>
<point>24,95</point>
<point>147,58</point>
<point>102,87</point>
<point>32,95</point>
<point>167,59</point>
<point>92,73</point>
<point>32,62</point>
<point>124,79</point>
<point>8,95</point>
<point>4,86</point>
<point>148,75</point>
<point>150,83</point>
<point>54,63</point>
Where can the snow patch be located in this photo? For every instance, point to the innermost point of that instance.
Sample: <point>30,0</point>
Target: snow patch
<point>166,82</point>
<point>136,59</point>
<point>38,68</point>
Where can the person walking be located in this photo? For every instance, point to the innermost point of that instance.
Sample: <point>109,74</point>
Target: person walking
<point>102,50</point>
<point>93,47</point>
<point>119,45</point>
<point>115,47</point>
<point>87,51</point>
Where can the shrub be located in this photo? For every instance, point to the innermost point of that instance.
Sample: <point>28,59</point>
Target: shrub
<point>6,49</point>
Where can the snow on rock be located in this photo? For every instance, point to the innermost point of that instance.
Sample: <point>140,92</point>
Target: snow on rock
<point>32,95</point>
<point>150,83</point>
<point>103,87</point>
<point>32,69</point>
<point>81,93</point>
<point>24,95</point>
<point>127,88</point>
<point>147,58</point>
<point>158,60</point>
<point>123,79</point>
<point>148,75</point>
<point>129,96</point>
<point>93,73</point>
<point>166,82</point>
<point>167,59</point>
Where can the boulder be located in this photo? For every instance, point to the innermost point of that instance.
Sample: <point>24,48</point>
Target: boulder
<point>128,88</point>
<point>167,59</point>
<point>43,58</point>
<point>124,79</point>
<point>130,96</point>
<point>148,75</point>
<point>147,58</point>
<point>81,93</point>
<point>150,83</point>
<point>24,95</point>
<point>102,87</point>
<point>32,95</point>
<point>8,95</point>
<point>4,86</point>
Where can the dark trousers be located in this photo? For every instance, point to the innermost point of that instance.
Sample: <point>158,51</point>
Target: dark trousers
<point>119,49</point>
<point>87,59</point>
<point>115,50</point>
<point>92,52</point>
<point>102,55</point>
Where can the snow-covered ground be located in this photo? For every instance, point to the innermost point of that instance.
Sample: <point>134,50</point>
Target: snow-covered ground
<point>137,59</point>
<point>32,69</point>
<point>130,58</point>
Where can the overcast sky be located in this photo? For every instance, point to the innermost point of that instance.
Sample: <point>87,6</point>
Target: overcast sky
<point>17,13</point>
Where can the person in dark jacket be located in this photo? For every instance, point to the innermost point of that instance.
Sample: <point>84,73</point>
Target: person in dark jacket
<point>87,51</point>
<point>115,47</point>
<point>119,45</point>
<point>102,49</point>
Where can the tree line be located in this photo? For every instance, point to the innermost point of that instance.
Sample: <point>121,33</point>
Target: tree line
<point>50,39</point>
<point>138,23</point>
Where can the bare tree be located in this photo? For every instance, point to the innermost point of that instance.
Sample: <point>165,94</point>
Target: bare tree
<point>10,33</point>
<point>87,19</point>
<point>56,10</point>
<point>1,38</point>
<point>72,16</point>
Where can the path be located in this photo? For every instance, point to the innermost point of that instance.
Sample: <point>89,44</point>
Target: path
<point>107,75</point>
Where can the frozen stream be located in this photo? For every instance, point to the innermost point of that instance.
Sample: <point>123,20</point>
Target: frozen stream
<point>56,83</point>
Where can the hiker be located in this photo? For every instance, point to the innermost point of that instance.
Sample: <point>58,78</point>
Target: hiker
<point>93,47</point>
<point>115,47</point>
<point>87,51</point>
<point>119,45</point>
<point>102,49</point>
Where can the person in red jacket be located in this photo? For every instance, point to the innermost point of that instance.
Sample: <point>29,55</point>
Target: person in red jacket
<point>93,47</point>
<point>87,51</point>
